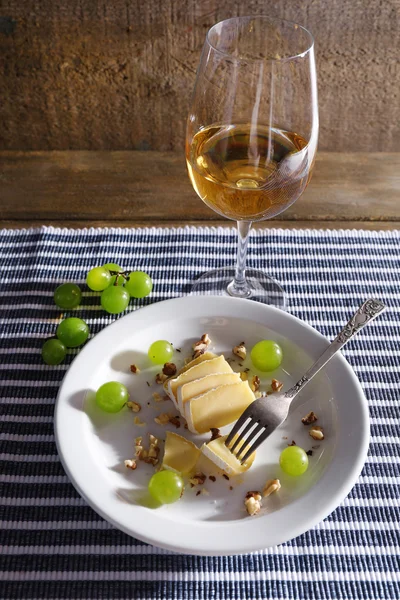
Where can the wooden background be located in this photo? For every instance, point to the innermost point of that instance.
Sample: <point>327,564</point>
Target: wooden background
<point>117,74</point>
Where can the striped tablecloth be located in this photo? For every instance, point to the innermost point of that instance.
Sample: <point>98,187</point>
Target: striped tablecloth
<point>55,546</point>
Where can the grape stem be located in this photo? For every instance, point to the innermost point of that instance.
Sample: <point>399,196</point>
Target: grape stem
<point>118,274</point>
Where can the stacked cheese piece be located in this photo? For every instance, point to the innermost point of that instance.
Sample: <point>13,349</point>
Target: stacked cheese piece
<point>209,395</point>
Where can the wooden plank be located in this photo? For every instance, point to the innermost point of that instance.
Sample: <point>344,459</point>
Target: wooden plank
<point>368,225</point>
<point>154,186</point>
<point>85,74</point>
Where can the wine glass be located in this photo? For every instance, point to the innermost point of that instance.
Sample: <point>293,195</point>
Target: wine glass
<point>252,135</point>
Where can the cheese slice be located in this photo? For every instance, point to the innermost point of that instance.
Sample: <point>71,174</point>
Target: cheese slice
<point>218,407</point>
<point>207,367</point>
<point>222,457</point>
<point>198,360</point>
<point>197,387</point>
<point>192,363</point>
<point>180,455</point>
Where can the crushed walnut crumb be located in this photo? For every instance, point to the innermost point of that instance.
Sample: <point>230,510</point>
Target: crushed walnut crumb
<point>240,351</point>
<point>225,476</point>
<point>134,369</point>
<point>175,421</point>
<point>169,369</point>
<point>197,479</point>
<point>271,486</point>
<point>130,464</point>
<point>258,394</point>
<point>198,492</point>
<point>231,487</point>
<point>215,433</point>
<point>310,418</point>
<point>134,406</point>
<point>316,432</point>
<point>212,478</point>
<point>309,452</point>
<point>276,385</point>
<point>255,383</point>
<point>161,378</point>
<point>157,397</point>
<point>244,376</point>
<point>252,503</point>
<point>148,384</point>
<point>293,443</point>
<point>204,491</point>
<point>137,421</point>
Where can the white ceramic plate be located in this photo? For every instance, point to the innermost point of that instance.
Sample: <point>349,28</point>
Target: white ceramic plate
<point>93,445</point>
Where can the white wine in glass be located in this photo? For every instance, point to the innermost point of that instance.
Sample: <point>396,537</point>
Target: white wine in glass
<point>252,135</point>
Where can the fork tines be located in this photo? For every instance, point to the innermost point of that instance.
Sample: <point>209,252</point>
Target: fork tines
<point>255,432</point>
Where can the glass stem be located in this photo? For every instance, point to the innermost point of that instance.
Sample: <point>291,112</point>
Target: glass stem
<point>239,287</point>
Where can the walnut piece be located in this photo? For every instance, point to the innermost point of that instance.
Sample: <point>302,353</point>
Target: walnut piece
<point>197,479</point>
<point>255,383</point>
<point>252,503</point>
<point>134,406</point>
<point>151,457</point>
<point>130,464</point>
<point>162,419</point>
<point>201,345</point>
<point>138,447</point>
<point>169,369</point>
<point>157,397</point>
<point>161,377</point>
<point>215,433</point>
<point>271,486</point>
<point>244,376</point>
<point>316,432</point>
<point>240,351</point>
<point>276,385</point>
<point>310,418</point>
<point>134,369</point>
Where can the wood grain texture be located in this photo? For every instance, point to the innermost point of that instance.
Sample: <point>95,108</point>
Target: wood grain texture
<point>93,74</point>
<point>149,187</point>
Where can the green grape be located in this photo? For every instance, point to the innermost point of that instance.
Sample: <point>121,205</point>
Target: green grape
<point>115,299</point>
<point>98,279</point>
<point>266,355</point>
<point>114,267</point>
<point>294,461</point>
<point>160,352</point>
<point>166,487</point>
<point>72,332</point>
<point>139,284</point>
<point>67,295</point>
<point>53,352</point>
<point>112,396</point>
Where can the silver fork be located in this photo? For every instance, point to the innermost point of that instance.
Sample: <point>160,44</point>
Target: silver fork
<point>268,412</point>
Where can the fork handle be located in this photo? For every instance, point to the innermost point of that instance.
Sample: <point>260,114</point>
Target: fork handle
<point>368,310</point>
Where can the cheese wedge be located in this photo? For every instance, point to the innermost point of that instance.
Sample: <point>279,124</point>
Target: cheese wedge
<point>180,455</point>
<point>197,387</point>
<point>218,407</point>
<point>222,457</point>
<point>207,367</point>
<point>192,363</point>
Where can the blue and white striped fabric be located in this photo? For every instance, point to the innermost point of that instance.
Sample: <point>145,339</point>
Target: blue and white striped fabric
<point>55,546</point>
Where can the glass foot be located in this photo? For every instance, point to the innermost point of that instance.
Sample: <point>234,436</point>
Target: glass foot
<point>261,287</point>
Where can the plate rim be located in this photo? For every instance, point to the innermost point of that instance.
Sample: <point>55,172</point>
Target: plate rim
<point>341,492</point>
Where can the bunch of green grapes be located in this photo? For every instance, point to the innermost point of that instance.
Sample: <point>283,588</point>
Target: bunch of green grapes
<point>118,286</point>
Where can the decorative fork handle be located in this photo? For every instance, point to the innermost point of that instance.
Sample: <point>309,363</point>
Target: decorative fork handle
<point>368,310</point>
